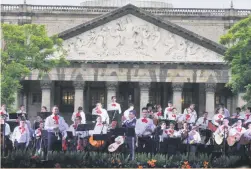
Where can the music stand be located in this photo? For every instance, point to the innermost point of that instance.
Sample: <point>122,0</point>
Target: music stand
<point>12,124</point>
<point>69,134</point>
<point>43,115</point>
<point>13,116</point>
<point>44,136</point>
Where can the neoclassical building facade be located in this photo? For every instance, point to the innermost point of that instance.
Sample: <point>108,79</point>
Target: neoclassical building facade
<point>137,55</point>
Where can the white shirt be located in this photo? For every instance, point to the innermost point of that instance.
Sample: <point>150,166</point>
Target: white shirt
<point>167,110</point>
<point>114,106</point>
<point>237,130</point>
<point>98,128</point>
<point>171,133</point>
<point>82,114</point>
<point>7,129</point>
<point>200,122</point>
<point>126,113</point>
<point>217,117</point>
<point>246,117</point>
<point>21,137</point>
<point>189,117</point>
<point>20,111</point>
<point>194,137</point>
<point>103,114</point>
<point>50,124</point>
<point>144,129</point>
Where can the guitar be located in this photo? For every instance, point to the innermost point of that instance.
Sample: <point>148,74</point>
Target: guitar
<point>231,140</point>
<point>218,137</point>
<point>118,142</point>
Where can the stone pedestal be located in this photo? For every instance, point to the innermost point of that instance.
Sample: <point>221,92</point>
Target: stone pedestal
<point>111,88</point>
<point>144,94</point>
<point>177,96</point>
<point>46,93</point>
<point>210,98</point>
<point>79,94</point>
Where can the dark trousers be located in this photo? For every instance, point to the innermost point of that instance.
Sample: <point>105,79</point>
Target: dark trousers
<point>38,143</point>
<point>145,144</point>
<point>20,146</point>
<point>53,143</point>
<point>130,142</point>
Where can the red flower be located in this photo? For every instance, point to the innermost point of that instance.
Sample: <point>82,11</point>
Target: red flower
<point>56,118</point>
<point>114,104</point>
<point>144,120</point>
<point>220,116</point>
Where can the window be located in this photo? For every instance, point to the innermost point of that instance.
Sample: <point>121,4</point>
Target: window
<point>36,98</point>
<point>68,97</point>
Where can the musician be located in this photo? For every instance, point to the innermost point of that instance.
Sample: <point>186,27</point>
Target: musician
<point>126,113</point>
<point>131,123</point>
<point>202,122</point>
<point>247,133</point>
<point>171,132</point>
<point>247,115</point>
<point>149,107</point>
<point>225,110</point>
<point>173,115</point>
<point>224,129</point>
<point>100,127</point>
<point>144,129</point>
<point>98,110</point>
<point>44,109</point>
<point>193,139</point>
<point>21,110</point>
<point>114,111</point>
<point>237,115</point>
<point>218,117</point>
<point>56,127</point>
<point>158,114</point>
<point>162,131</point>
<point>38,136</point>
<point>5,129</point>
<point>168,110</point>
<point>190,114</point>
<point>183,133</point>
<point>21,136</point>
<point>4,111</point>
<point>79,113</point>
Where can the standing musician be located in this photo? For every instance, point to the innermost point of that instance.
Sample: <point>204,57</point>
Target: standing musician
<point>237,115</point>
<point>3,111</point>
<point>158,114</point>
<point>56,127</point>
<point>98,110</point>
<point>38,137</point>
<point>202,122</point>
<point>131,123</point>
<point>114,110</point>
<point>168,110</point>
<point>190,115</point>
<point>5,129</point>
<point>79,113</point>
<point>247,115</point>
<point>218,117</point>
<point>21,111</point>
<point>126,113</point>
<point>144,129</point>
<point>223,129</point>
<point>21,136</point>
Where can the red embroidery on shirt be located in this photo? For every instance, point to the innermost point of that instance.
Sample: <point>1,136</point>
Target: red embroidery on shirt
<point>188,116</point>
<point>220,116</point>
<point>98,111</point>
<point>174,115</point>
<point>247,116</point>
<point>159,114</point>
<point>114,104</point>
<point>171,131</point>
<point>239,129</point>
<point>56,118</point>
<point>22,129</point>
<point>78,114</point>
<point>75,126</point>
<point>100,124</point>
<point>144,120</point>
<point>204,121</point>
<point>2,113</point>
<point>170,109</point>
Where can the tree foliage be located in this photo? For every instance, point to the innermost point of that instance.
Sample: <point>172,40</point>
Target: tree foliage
<point>26,48</point>
<point>238,56</point>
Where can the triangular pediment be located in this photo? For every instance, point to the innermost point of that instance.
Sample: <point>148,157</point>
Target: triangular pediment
<point>130,34</point>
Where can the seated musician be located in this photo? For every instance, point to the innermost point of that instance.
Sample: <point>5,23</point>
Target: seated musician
<point>56,128</point>
<point>247,133</point>
<point>237,115</point>
<point>194,136</point>
<point>38,137</point>
<point>223,128</point>
<point>168,109</point>
<point>21,136</point>
<point>171,132</point>
<point>21,110</point>
<point>79,113</point>
<point>218,117</point>
<point>114,111</point>
<point>237,130</point>
<point>143,130</point>
<point>173,115</point>
<point>183,133</point>
<point>202,122</point>
<point>98,110</point>
<point>190,114</point>
<point>130,124</point>
<point>163,134</point>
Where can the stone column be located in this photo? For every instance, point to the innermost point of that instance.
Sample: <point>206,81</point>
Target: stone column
<point>111,89</point>
<point>210,98</point>
<point>240,101</point>
<point>46,93</point>
<point>177,96</point>
<point>79,94</point>
<point>144,94</point>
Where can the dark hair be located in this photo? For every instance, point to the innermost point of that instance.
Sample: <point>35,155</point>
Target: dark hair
<point>217,110</point>
<point>158,106</point>
<point>249,108</point>
<point>192,104</point>
<point>21,105</point>
<point>205,112</point>
<point>144,108</point>
<point>170,102</point>
<point>113,97</point>
<point>238,108</point>
<point>80,108</point>
<point>44,107</point>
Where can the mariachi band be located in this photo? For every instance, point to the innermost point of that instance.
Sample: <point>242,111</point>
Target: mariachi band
<point>155,130</point>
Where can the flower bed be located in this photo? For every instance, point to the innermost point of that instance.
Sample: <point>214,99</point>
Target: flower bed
<point>19,159</point>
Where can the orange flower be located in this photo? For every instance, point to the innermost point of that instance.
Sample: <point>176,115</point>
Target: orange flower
<point>205,164</point>
<point>140,166</point>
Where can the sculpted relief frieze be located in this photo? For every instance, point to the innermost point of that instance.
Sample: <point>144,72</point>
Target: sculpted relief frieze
<point>131,38</point>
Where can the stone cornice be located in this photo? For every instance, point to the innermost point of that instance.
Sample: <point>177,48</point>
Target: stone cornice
<point>79,84</point>
<point>177,87</point>
<point>111,85</point>
<point>210,87</point>
<point>45,84</point>
<point>144,85</point>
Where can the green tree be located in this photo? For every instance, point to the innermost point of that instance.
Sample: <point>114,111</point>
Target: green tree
<point>238,56</point>
<point>26,48</point>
